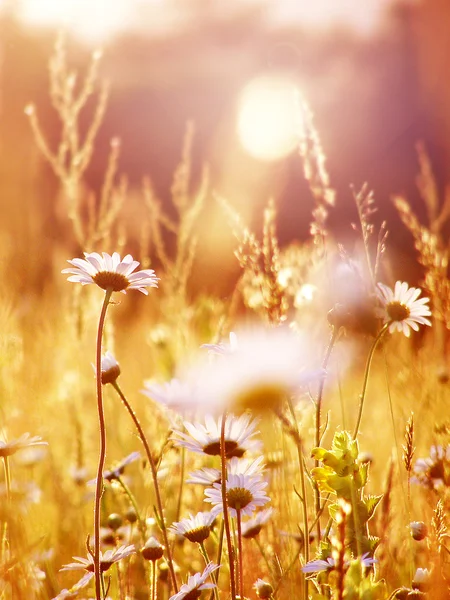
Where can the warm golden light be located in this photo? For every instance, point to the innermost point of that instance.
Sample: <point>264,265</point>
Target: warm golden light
<point>269,119</point>
<point>91,19</point>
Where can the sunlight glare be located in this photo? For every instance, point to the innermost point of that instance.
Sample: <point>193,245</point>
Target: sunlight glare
<point>269,117</point>
<point>92,19</point>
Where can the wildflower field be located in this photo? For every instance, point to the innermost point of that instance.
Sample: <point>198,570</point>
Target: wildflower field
<point>287,439</point>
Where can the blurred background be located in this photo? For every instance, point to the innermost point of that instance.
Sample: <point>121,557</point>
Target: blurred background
<point>374,74</point>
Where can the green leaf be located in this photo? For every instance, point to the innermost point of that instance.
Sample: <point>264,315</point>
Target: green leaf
<point>371,503</point>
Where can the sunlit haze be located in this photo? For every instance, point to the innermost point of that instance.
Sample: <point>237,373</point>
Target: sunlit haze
<point>269,117</point>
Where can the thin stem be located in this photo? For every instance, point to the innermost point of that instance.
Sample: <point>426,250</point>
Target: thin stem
<point>226,519</point>
<point>153,580</point>
<point>263,554</point>
<point>154,471</point>
<point>7,478</point>
<point>334,337</point>
<point>241,562</point>
<point>102,453</point>
<point>355,514</point>
<point>219,555</point>
<point>132,499</point>
<point>366,377</point>
<point>214,575</point>
<point>180,493</point>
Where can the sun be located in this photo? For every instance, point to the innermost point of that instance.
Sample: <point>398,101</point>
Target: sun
<point>269,117</point>
<point>94,20</point>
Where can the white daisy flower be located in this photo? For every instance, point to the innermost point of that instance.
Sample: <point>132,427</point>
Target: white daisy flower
<point>196,583</point>
<point>195,529</point>
<point>253,526</point>
<point>205,439</point>
<point>205,476</point>
<point>175,394</point>
<point>266,367</point>
<point>24,441</point>
<point>110,272</point>
<point>106,559</point>
<point>403,308</point>
<point>74,591</point>
<point>235,466</point>
<point>244,493</point>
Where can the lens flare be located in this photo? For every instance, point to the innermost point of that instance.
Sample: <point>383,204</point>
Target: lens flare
<point>269,117</point>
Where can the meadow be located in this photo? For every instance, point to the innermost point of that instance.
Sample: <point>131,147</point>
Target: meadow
<point>287,440</point>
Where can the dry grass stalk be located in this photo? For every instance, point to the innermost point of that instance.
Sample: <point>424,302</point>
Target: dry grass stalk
<point>316,174</point>
<point>188,206</point>
<point>429,240</point>
<point>408,447</point>
<point>365,204</point>
<point>260,261</point>
<point>92,219</point>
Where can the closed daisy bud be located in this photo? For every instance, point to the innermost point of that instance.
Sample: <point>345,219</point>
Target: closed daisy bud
<point>152,550</point>
<point>110,368</point>
<point>263,589</point>
<point>418,530</point>
<point>114,521</point>
<point>421,580</point>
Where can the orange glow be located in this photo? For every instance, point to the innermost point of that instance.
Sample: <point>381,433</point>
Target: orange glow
<point>269,119</point>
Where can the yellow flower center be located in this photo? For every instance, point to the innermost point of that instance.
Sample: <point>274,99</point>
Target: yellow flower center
<point>239,498</point>
<point>397,311</point>
<point>231,449</point>
<point>109,280</point>
<point>264,396</point>
<point>199,535</point>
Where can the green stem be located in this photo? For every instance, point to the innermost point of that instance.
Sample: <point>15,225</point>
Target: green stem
<point>132,499</point>
<point>219,554</point>
<point>214,575</point>
<point>99,585</point>
<point>366,377</point>
<point>226,518</point>
<point>299,445</point>
<point>356,521</point>
<point>334,337</point>
<point>180,493</point>
<point>155,481</point>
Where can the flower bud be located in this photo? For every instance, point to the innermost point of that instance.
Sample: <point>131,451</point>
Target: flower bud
<point>152,550</point>
<point>263,589</point>
<point>418,530</point>
<point>114,521</point>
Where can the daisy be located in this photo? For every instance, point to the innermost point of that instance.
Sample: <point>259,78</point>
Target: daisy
<point>244,494</point>
<point>263,589</point>
<point>403,308</point>
<point>314,566</point>
<point>152,550</point>
<point>111,272</point>
<point>235,466</point>
<point>109,367</point>
<point>75,589</point>
<point>24,441</point>
<point>196,583</point>
<point>107,559</point>
<point>265,368</point>
<point>205,439</point>
<point>434,470</point>
<point>174,394</point>
<point>117,471</point>
<point>195,529</point>
<point>253,526</point>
